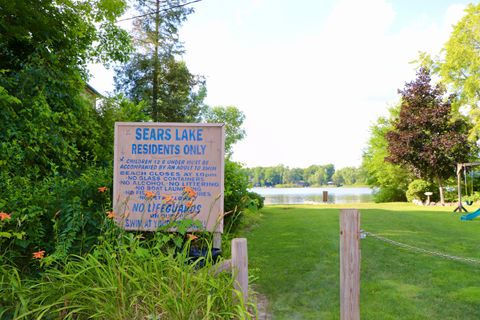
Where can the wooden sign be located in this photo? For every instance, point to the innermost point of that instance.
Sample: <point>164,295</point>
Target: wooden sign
<point>167,172</point>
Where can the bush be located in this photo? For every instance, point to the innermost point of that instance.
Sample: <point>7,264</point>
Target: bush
<point>417,188</point>
<point>256,201</point>
<point>475,197</point>
<point>388,194</point>
<point>236,194</point>
<point>59,215</point>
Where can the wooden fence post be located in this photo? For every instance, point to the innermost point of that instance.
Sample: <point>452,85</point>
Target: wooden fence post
<point>240,266</point>
<point>217,240</point>
<point>349,264</point>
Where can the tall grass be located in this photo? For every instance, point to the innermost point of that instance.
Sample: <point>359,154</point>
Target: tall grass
<point>129,281</point>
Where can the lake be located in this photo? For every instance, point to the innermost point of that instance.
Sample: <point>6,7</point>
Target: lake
<point>314,195</point>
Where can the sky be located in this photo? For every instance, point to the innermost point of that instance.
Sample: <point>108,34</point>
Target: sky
<point>311,76</point>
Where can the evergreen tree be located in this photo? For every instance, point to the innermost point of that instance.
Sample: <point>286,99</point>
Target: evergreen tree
<point>154,73</point>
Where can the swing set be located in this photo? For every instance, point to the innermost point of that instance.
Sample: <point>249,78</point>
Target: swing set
<point>462,167</point>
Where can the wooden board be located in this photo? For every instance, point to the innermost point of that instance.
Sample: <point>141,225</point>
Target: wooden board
<point>166,172</point>
<point>349,264</point>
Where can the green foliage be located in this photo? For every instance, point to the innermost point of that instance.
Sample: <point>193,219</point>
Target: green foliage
<point>319,175</point>
<point>389,180</point>
<point>460,68</point>
<point>116,109</point>
<point>257,202</point>
<point>348,176</point>
<point>474,197</point>
<point>417,188</point>
<point>49,125</point>
<point>389,194</point>
<point>180,96</point>
<point>59,215</point>
<point>237,197</point>
<point>50,36</point>
<point>154,74</point>
<point>233,119</point>
<point>55,153</point>
<point>124,277</point>
<point>39,140</point>
<point>294,176</point>
<point>236,193</point>
<point>426,139</point>
<point>314,175</point>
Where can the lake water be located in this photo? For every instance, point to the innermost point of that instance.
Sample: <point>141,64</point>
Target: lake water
<point>314,195</point>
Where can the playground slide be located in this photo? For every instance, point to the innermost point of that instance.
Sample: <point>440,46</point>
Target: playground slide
<point>471,216</point>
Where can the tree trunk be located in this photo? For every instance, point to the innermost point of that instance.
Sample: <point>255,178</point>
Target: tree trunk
<point>440,189</point>
<point>155,111</point>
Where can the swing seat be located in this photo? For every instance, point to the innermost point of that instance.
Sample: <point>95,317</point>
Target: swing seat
<point>469,202</point>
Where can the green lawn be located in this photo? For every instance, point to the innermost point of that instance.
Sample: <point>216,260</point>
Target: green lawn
<point>294,253</point>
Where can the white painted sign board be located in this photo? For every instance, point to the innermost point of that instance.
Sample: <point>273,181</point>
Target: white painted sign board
<point>165,172</point>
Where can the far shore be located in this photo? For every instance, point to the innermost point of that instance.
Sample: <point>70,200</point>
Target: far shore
<point>316,186</point>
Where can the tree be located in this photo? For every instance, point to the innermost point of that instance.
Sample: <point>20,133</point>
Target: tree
<point>153,73</point>
<point>45,47</point>
<point>274,175</point>
<point>294,176</point>
<point>51,143</point>
<point>233,119</point>
<point>319,175</point>
<point>425,139</point>
<point>347,175</point>
<point>458,66</point>
<point>256,176</point>
<point>389,179</point>
<point>461,65</point>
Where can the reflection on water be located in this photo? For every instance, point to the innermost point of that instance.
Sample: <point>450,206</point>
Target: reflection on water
<point>314,195</point>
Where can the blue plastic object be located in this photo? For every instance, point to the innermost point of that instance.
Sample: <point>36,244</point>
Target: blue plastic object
<point>197,253</point>
<point>470,216</point>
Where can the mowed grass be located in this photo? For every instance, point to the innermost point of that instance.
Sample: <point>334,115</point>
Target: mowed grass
<point>294,253</point>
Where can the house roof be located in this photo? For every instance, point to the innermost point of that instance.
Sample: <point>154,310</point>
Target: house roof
<point>93,91</point>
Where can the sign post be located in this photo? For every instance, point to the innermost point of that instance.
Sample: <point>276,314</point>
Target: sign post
<point>168,172</point>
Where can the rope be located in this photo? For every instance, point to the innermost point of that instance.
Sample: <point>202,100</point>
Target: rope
<point>420,250</point>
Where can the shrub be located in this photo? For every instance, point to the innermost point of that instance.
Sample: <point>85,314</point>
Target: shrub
<point>59,215</point>
<point>388,194</point>
<point>236,193</point>
<point>417,188</point>
<point>256,201</point>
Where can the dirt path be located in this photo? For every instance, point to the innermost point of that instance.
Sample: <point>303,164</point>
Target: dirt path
<point>262,307</point>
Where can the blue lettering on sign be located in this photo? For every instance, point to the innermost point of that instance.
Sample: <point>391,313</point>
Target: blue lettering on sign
<point>138,207</point>
<point>194,149</point>
<point>156,134</point>
<point>189,135</point>
<point>164,149</point>
<point>131,223</point>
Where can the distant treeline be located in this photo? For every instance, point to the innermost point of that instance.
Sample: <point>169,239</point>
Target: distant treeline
<point>314,175</point>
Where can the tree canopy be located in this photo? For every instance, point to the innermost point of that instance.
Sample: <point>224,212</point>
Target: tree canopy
<point>233,119</point>
<point>390,179</point>
<point>461,66</point>
<point>314,175</point>
<point>45,47</point>
<point>154,72</point>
